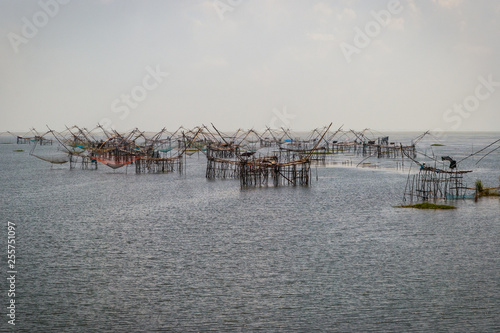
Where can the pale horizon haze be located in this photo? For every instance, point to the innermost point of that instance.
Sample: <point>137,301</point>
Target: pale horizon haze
<point>387,65</point>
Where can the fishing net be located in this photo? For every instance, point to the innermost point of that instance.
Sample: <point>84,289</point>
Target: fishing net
<point>116,162</point>
<point>54,159</point>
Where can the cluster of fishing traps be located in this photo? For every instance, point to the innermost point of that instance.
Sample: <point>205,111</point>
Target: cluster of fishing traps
<point>270,157</point>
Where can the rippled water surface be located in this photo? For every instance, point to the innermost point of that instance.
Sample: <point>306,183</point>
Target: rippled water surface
<point>106,250</point>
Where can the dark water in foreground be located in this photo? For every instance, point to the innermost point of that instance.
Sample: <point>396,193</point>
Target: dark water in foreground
<point>104,251</point>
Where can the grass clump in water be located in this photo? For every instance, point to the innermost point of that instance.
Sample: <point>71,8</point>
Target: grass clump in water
<point>485,192</point>
<point>437,145</point>
<point>428,205</point>
<point>479,186</point>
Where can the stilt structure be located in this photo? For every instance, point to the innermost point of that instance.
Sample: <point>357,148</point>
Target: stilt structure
<point>273,165</point>
<point>432,184</point>
<point>262,171</point>
<point>158,165</point>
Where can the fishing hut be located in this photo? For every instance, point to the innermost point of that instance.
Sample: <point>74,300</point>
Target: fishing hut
<point>363,145</point>
<point>278,162</point>
<point>266,170</point>
<point>146,164</point>
<point>222,160</point>
<point>21,140</point>
<point>432,183</point>
<point>387,150</point>
<point>42,141</point>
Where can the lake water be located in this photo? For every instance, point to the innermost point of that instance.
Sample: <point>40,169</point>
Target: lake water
<point>112,251</point>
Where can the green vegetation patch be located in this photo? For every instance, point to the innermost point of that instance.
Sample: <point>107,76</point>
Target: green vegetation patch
<point>18,150</point>
<point>489,193</point>
<point>437,145</point>
<point>485,192</point>
<point>428,205</point>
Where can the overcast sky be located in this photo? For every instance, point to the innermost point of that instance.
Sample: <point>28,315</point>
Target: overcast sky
<point>385,65</point>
